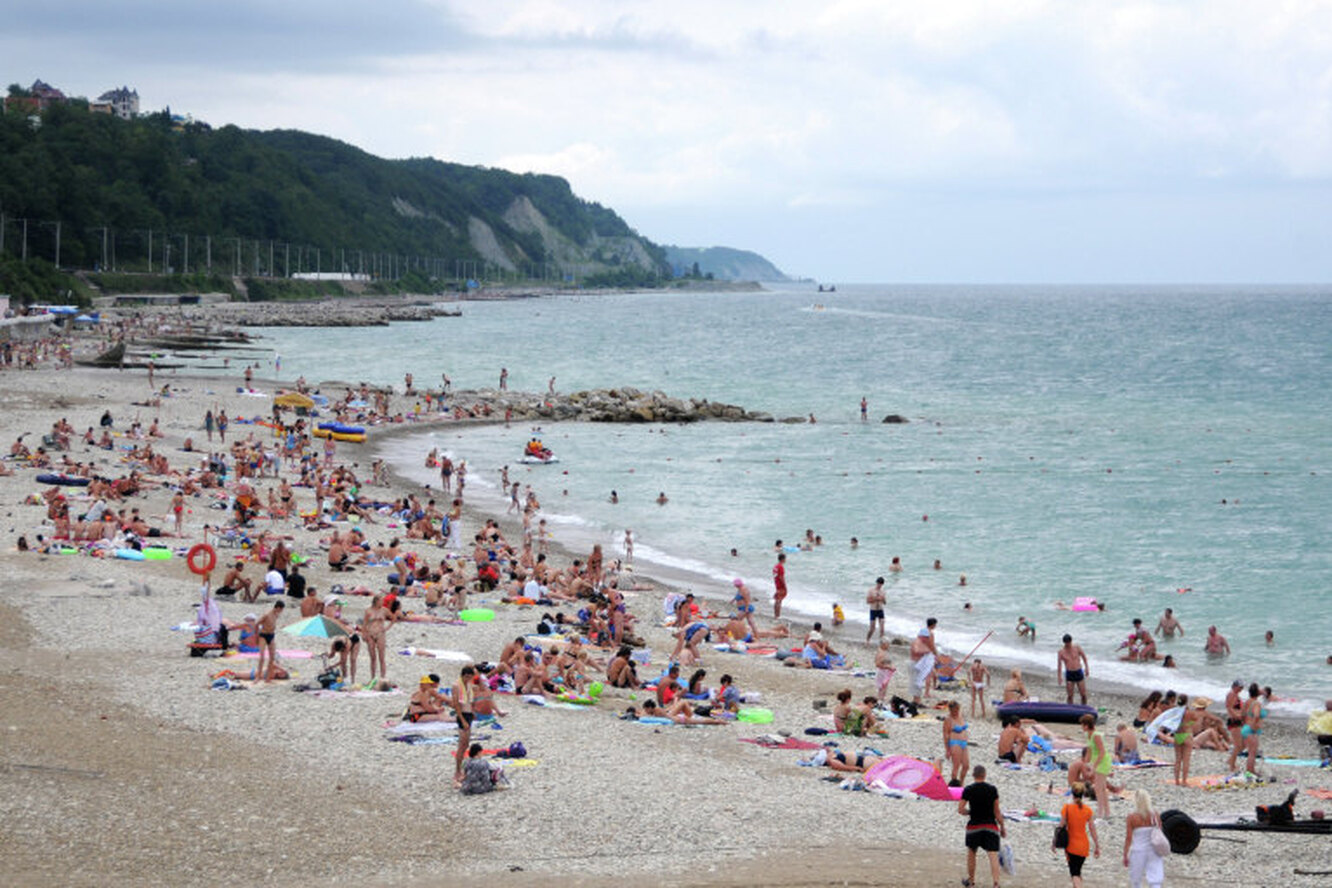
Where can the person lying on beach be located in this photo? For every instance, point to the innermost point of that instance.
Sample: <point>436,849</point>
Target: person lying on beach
<point>679,712</point>
<point>737,631</point>
<point>857,763</point>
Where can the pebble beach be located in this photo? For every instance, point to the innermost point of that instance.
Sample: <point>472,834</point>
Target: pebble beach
<point>123,766</point>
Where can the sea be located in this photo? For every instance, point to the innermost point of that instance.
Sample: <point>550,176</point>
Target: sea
<point>1148,446</point>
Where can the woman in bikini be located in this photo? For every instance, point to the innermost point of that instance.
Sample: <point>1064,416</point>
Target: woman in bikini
<point>464,696</point>
<point>955,743</point>
<point>1253,714</point>
<point>621,672</point>
<point>374,628</point>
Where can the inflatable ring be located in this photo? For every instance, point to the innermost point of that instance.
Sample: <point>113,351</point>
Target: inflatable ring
<point>210,559</point>
<point>755,716</point>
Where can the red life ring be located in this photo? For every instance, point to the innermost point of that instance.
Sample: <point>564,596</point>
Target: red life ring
<point>210,559</point>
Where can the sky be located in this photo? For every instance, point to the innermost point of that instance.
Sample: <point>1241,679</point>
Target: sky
<point>845,140</point>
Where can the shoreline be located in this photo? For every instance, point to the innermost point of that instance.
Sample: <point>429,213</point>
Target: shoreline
<point>681,805</point>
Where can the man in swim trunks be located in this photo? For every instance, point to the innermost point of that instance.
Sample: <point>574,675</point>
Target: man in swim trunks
<point>876,598</point>
<point>266,630</point>
<point>1216,644</point>
<point>1168,625</point>
<point>779,585</point>
<point>1072,668</point>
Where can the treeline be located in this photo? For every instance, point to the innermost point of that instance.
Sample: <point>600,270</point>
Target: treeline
<point>91,191</point>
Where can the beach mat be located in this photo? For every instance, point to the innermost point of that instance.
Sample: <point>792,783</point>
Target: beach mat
<point>786,743</point>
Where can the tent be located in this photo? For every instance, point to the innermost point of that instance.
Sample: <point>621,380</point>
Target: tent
<point>907,774</point>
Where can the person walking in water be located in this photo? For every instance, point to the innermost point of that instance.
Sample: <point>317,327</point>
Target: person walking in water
<point>864,410</point>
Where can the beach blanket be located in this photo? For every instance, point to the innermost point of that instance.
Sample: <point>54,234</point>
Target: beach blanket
<point>432,739</point>
<point>421,728</point>
<point>1223,781</point>
<point>920,672</point>
<point>769,741</point>
<point>282,655</point>
<point>1030,816</point>
<point>1294,762</point>
<point>450,656</point>
<point>1319,793</point>
<point>326,694</point>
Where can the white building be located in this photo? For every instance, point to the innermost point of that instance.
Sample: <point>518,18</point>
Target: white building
<point>124,102</point>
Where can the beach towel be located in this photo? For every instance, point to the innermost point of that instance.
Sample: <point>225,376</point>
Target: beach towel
<point>324,694</point>
<point>450,656</point>
<point>282,655</point>
<point>769,741</point>
<point>920,672</point>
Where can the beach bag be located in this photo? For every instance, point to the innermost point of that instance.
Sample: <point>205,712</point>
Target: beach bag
<point>1007,862</point>
<point>1160,844</point>
<point>1061,836</point>
<point>328,677</point>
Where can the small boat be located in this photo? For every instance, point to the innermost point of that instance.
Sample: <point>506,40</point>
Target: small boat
<point>536,453</point>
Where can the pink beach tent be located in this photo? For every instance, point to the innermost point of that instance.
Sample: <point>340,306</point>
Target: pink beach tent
<point>907,774</point>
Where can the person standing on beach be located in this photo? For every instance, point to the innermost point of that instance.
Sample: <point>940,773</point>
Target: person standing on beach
<point>208,424</point>
<point>876,598</point>
<point>1142,861</point>
<point>1072,668</point>
<point>463,696</point>
<point>924,655</point>
<point>628,546</point>
<point>779,585</point>
<point>1102,764</point>
<point>1077,819</point>
<point>222,426</point>
<point>446,474</point>
<point>266,631</point>
<point>985,824</point>
<point>1235,721</point>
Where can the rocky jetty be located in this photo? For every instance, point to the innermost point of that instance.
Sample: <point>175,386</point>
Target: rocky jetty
<point>622,405</point>
<point>328,313</point>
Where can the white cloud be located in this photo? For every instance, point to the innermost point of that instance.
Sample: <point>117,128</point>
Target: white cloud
<point>778,106</point>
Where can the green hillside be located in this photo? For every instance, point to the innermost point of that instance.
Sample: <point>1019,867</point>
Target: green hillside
<point>150,195</point>
<point>723,263</point>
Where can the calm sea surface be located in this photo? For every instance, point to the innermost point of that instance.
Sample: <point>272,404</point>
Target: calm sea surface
<point>1118,442</point>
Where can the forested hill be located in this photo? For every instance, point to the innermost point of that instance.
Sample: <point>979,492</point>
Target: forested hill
<point>723,263</point>
<point>296,196</point>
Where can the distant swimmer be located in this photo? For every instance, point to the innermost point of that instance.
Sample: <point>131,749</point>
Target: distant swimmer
<point>1216,644</point>
<point>661,499</point>
<point>1269,637</point>
<point>962,580</point>
<point>855,543</point>
<point>812,420</point>
<point>614,497</point>
<point>1168,625</point>
<point>896,565</point>
<point>1026,628</point>
<point>864,410</point>
<point>938,565</point>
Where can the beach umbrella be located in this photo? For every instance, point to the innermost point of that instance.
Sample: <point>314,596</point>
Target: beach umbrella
<point>318,626</point>
<point>294,399</point>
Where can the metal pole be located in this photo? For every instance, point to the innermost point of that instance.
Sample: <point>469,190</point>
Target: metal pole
<point>25,240</point>
<point>150,251</point>
<point>186,261</point>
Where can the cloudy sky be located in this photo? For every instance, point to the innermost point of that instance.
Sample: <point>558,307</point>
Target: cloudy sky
<point>846,140</point>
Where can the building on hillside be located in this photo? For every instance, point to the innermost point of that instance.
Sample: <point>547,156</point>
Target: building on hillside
<point>123,102</point>
<point>40,97</point>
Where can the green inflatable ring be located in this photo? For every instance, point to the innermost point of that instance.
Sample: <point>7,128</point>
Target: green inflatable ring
<point>476,615</point>
<point>755,716</point>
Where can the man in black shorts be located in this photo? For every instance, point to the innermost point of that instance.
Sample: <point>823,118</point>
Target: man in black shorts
<point>985,824</point>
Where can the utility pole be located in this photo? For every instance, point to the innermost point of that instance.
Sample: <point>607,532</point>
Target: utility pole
<point>186,261</point>
<point>150,251</point>
<point>25,240</point>
<point>208,252</point>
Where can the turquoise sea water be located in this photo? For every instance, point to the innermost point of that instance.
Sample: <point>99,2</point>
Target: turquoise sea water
<point>1063,442</point>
